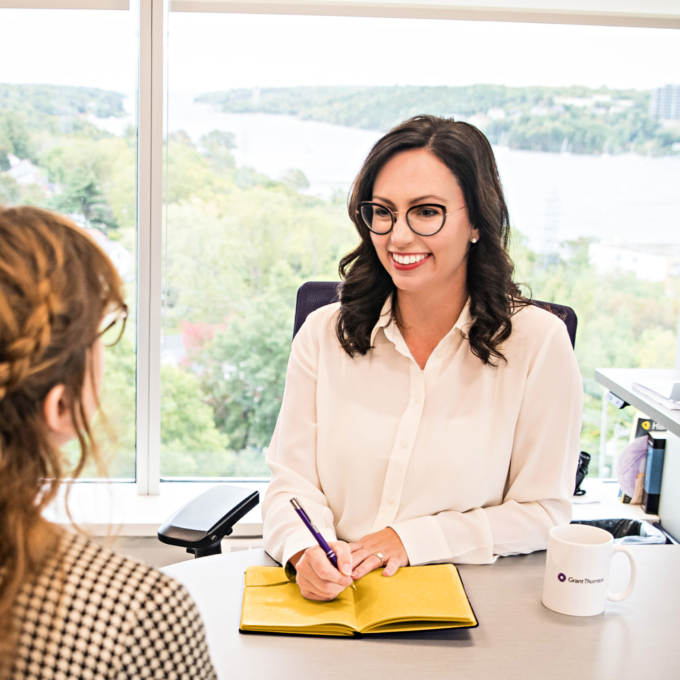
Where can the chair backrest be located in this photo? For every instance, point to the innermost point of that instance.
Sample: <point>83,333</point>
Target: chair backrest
<point>315,294</point>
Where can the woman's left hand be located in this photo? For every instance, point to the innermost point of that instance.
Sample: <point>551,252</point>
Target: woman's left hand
<point>385,542</point>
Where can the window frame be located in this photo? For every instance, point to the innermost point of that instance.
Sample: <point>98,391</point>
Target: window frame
<point>150,241</point>
<point>638,13</point>
<point>66,4</point>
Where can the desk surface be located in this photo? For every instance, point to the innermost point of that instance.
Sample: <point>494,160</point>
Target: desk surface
<point>517,639</point>
<point>620,382</point>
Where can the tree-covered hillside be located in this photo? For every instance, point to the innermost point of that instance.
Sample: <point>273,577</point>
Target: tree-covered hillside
<point>576,118</point>
<point>36,101</point>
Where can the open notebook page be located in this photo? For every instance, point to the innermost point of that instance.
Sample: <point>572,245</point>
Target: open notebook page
<point>427,594</point>
<point>271,600</point>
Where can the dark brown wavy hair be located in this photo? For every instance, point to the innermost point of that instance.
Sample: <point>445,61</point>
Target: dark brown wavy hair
<point>494,296</point>
<point>56,285</point>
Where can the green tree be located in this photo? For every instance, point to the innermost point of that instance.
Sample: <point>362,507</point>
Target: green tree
<point>216,147</point>
<point>188,172</point>
<point>10,191</point>
<point>82,194</point>
<point>114,426</point>
<point>295,179</point>
<point>187,423</point>
<point>191,443</point>
<point>223,251</point>
<point>235,259</point>
<point>245,364</point>
<point>87,171</point>
<point>656,348</point>
<point>14,138</point>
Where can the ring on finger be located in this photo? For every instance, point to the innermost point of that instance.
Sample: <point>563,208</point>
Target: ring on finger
<point>380,557</point>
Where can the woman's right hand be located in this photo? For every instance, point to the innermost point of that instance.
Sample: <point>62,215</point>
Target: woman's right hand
<point>317,577</point>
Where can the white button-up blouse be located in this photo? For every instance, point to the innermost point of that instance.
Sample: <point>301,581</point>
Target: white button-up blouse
<point>464,461</point>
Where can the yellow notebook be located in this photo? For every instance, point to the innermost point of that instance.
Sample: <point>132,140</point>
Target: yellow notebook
<point>415,598</point>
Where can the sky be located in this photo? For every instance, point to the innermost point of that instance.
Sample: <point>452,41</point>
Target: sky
<point>211,52</point>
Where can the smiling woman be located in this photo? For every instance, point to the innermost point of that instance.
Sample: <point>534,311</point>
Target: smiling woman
<point>420,421</point>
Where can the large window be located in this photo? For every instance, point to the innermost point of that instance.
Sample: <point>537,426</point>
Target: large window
<point>269,119</point>
<point>225,172</point>
<point>68,142</point>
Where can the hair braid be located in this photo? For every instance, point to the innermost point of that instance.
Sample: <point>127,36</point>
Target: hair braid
<point>23,353</point>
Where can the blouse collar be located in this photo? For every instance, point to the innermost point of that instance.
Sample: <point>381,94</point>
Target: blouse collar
<point>392,332</point>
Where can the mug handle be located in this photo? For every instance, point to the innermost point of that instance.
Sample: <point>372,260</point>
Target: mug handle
<point>631,584</point>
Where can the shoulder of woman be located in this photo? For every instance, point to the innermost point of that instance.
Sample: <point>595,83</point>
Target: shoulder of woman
<point>319,324</point>
<point>122,597</point>
<point>532,326</point>
<point>132,581</point>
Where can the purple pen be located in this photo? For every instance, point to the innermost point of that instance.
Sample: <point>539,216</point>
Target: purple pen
<point>330,554</point>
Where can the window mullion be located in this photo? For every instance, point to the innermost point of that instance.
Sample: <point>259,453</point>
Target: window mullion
<point>150,205</point>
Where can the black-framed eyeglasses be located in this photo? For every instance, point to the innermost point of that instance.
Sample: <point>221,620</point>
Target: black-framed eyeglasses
<point>425,220</point>
<point>117,320</point>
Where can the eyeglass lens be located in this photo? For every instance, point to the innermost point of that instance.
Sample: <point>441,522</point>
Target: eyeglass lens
<point>423,219</point>
<point>426,219</point>
<point>377,218</point>
<point>113,327</point>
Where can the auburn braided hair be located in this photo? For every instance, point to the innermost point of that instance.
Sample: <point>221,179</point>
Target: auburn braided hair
<point>56,285</point>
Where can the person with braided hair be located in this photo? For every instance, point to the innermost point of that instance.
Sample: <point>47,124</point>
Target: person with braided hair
<point>69,608</point>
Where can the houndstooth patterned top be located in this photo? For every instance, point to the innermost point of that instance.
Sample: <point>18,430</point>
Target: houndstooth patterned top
<point>113,618</point>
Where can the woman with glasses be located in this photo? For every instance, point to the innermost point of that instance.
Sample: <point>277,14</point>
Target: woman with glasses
<point>68,608</point>
<point>434,413</point>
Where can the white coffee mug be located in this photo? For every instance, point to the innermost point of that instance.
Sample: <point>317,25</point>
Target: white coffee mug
<point>577,570</point>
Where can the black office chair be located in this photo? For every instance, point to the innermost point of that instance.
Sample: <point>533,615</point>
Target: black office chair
<point>202,523</point>
<point>315,294</point>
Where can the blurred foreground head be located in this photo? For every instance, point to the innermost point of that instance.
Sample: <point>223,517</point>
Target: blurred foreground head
<point>56,287</point>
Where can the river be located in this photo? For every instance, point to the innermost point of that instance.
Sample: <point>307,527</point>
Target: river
<point>552,197</point>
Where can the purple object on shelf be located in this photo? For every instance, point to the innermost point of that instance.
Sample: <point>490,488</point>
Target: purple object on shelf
<point>630,463</point>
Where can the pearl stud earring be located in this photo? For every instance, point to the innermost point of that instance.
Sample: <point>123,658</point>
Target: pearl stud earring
<point>474,240</point>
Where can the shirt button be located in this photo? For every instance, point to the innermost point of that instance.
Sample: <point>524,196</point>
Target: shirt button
<point>403,443</point>
<point>390,500</point>
<point>439,353</point>
<point>416,399</point>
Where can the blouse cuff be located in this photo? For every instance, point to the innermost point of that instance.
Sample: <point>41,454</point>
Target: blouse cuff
<point>301,540</point>
<point>423,540</point>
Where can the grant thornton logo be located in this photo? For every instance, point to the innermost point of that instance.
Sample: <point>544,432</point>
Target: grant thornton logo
<point>562,578</point>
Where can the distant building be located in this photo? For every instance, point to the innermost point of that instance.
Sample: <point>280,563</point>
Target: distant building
<point>658,262</point>
<point>24,172</point>
<point>480,120</point>
<point>580,102</point>
<point>117,252</point>
<point>664,103</point>
<point>495,114</point>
